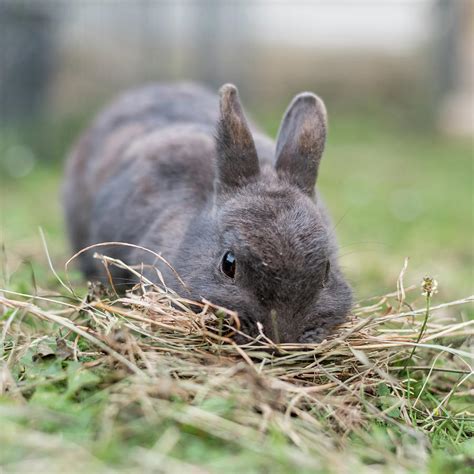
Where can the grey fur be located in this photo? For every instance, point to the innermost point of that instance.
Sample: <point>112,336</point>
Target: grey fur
<point>153,171</point>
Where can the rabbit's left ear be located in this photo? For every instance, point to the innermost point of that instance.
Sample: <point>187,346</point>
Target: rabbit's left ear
<point>237,160</point>
<point>301,141</point>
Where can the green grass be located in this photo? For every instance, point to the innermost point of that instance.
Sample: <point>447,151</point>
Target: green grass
<point>392,194</point>
<point>64,401</point>
<point>199,404</point>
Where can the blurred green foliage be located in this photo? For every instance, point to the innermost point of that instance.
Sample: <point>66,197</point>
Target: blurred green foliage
<point>393,193</point>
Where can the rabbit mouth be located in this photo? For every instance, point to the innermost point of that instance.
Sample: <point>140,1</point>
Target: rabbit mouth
<point>313,336</point>
<point>249,331</point>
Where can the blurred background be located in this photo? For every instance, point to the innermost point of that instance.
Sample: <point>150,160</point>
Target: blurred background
<point>397,78</point>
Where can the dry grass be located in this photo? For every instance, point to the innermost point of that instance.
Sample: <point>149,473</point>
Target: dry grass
<point>169,363</point>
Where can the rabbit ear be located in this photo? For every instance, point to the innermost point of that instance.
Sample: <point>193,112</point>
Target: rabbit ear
<point>301,141</point>
<point>237,159</point>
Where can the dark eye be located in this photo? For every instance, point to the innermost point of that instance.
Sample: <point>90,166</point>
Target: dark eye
<point>228,264</point>
<point>327,269</point>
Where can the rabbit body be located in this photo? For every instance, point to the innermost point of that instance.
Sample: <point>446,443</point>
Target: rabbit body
<point>236,217</point>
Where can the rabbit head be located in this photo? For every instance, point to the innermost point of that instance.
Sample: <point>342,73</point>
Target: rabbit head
<point>271,254</point>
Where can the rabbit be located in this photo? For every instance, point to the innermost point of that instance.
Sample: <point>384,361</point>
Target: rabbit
<point>228,216</point>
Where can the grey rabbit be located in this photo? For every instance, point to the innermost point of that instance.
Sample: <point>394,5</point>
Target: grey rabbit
<point>175,169</point>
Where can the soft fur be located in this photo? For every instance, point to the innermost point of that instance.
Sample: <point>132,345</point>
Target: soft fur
<point>154,170</point>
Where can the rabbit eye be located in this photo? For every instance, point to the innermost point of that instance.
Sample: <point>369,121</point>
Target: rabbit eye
<point>228,264</point>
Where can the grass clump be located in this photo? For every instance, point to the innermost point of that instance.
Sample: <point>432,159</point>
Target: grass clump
<point>139,382</point>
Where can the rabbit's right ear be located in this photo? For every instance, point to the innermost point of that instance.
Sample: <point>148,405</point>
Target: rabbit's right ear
<point>237,160</point>
<point>301,141</point>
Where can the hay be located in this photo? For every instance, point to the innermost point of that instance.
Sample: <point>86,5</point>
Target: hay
<point>318,395</point>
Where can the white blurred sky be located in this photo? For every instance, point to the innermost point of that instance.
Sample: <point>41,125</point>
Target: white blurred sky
<point>380,24</point>
<point>390,25</point>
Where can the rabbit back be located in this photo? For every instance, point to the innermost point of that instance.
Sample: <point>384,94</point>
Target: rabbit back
<point>147,162</point>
